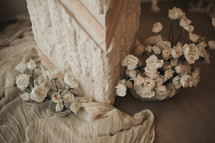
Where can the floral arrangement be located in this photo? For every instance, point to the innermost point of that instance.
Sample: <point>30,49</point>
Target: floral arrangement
<point>159,69</point>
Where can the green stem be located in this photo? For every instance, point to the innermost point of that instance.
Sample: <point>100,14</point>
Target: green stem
<point>63,89</point>
<point>161,33</point>
<point>32,79</point>
<point>180,35</point>
<point>68,90</point>
<point>200,41</point>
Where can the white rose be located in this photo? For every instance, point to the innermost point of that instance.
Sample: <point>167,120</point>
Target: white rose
<point>157,27</point>
<point>153,74</point>
<point>168,74</point>
<point>39,93</point>
<point>184,22</point>
<point>131,73</point>
<point>183,69</point>
<point>31,64</point>
<point>129,84</point>
<point>177,50</point>
<point>141,91</point>
<point>68,97</point>
<point>211,45</point>
<point>213,22</point>
<point>167,65</point>
<point>186,81</point>
<point>153,40</point>
<point>176,13</point>
<point>174,62</point>
<point>25,96</point>
<point>201,51</point>
<point>191,53</point>
<point>166,53</point>
<point>196,77</point>
<point>53,74</point>
<point>149,84</point>
<point>75,106</point>
<point>207,59</point>
<point>176,81</point>
<point>159,81</point>
<point>121,89</point>
<point>22,81</point>
<point>156,50</point>
<point>138,81</point>
<point>56,97</point>
<point>149,48</point>
<point>139,50</point>
<point>161,92</point>
<point>153,63</point>
<point>59,107</point>
<point>189,28</point>
<point>130,61</point>
<point>171,89</point>
<point>163,44</point>
<point>21,67</point>
<point>9,80</point>
<point>70,80</point>
<point>194,37</point>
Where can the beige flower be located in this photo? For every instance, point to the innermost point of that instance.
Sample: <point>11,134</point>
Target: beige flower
<point>131,73</point>
<point>194,37</point>
<point>56,97</point>
<point>68,97</point>
<point>153,40</point>
<point>130,61</point>
<point>75,106</point>
<point>156,50</point>
<point>174,62</point>
<point>149,48</point>
<point>177,50</point>
<point>149,84</point>
<point>171,89</point>
<point>141,91</point>
<point>163,44</point>
<point>166,53</point>
<point>70,80</point>
<point>139,50</point>
<point>168,74</point>
<point>22,81</point>
<point>121,89</point>
<point>183,69</point>
<point>25,96</point>
<point>167,65</point>
<point>201,49</point>
<point>184,22</point>
<point>153,74</point>
<point>176,81</point>
<point>196,77</point>
<point>21,67</point>
<point>191,53</point>
<point>157,27</point>
<point>39,93</point>
<point>161,92</point>
<point>59,107</point>
<point>153,63</point>
<point>159,81</point>
<point>176,13</point>
<point>189,28</point>
<point>31,64</point>
<point>213,22</point>
<point>129,84</point>
<point>138,81</point>
<point>186,81</point>
<point>211,45</point>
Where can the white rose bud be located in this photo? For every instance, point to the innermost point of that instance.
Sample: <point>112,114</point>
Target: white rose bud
<point>130,61</point>
<point>157,27</point>
<point>141,91</point>
<point>153,74</point>
<point>189,28</point>
<point>156,50</point>
<point>22,81</point>
<point>75,106</point>
<point>171,89</point>
<point>21,67</point>
<point>166,53</point>
<point>186,81</point>
<point>138,81</point>
<point>139,50</point>
<point>131,73</point>
<point>196,77</point>
<point>39,93</point>
<point>31,65</point>
<point>149,84</point>
<point>59,107</point>
<point>176,81</point>
<point>183,69</point>
<point>176,13</point>
<point>211,45</point>
<point>56,97</point>
<point>121,89</point>
<point>70,80</point>
<point>174,62</point>
<point>194,37</point>
<point>177,50</point>
<point>168,74</point>
<point>153,63</point>
<point>25,96</point>
<point>159,81</point>
<point>184,22</point>
<point>161,92</point>
<point>68,98</point>
<point>163,44</point>
<point>191,53</point>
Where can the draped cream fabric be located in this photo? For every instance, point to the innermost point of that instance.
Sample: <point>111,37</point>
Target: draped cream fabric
<point>95,122</point>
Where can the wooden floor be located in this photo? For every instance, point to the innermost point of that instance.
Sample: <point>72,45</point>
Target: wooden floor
<point>188,117</point>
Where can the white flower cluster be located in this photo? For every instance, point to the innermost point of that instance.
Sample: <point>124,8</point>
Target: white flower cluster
<point>165,65</point>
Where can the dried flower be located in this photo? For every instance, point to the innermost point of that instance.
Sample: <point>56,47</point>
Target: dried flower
<point>31,64</point>
<point>68,97</point>
<point>168,74</point>
<point>149,48</point>
<point>176,13</point>
<point>21,67</point>
<point>174,62</point>
<point>191,53</point>
<point>121,89</point>
<point>56,97</point>
<point>139,50</point>
<point>141,91</point>
<point>159,81</point>
<point>25,96</point>
<point>176,81</point>
<point>211,45</point>
<point>130,61</point>
<point>171,89</point>
<point>186,81</point>
<point>177,50</point>
<point>166,53</point>
<point>156,50</point>
<point>153,74</point>
<point>75,106</point>
<point>184,22</point>
<point>149,84</point>
<point>129,84</point>
<point>195,77</point>
<point>131,73</point>
<point>138,81</point>
<point>194,37</point>
<point>22,81</point>
<point>70,80</point>
<point>163,44</point>
<point>52,75</point>
<point>153,63</point>
<point>183,69</point>
<point>59,107</point>
<point>161,92</point>
<point>157,27</point>
<point>39,93</point>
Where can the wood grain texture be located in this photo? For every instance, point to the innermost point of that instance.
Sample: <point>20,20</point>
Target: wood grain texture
<point>189,117</point>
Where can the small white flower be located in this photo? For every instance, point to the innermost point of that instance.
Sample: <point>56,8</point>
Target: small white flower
<point>25,96</point>
<point>163,44</point>
<point>194,37</point>
<point>149,84</point>
<point>141,91</point>
<point>213,22</point>
<point>176,81</point>
<point>156,50</point>
<point>56,97</point>
<point>171,89</point>
<point>183,69</point>
<point>153,63</point>
<point>211,45</point>
<point>174,62</point>
<point>121,89</point>
<point>159,81</point>
<point>177,50</point>
<point>184,22</point>
<point>149,48</point>
<point>129,84</point>
<point>176,13</point>
<point>161,92</point>
<point>153,74</point>
<point>186,81</point>
<point>70,80</point>
<point>157,27</point>
<point>196,77</point>
<point>139,50</point>
<point>166,53</point>
<point>167,65</point>
<point>75,106</point>
<point>21,67</point>
<point>191,53</point>
<point>59,107</point>
<point>153,40</point>
<point>31,64</point>
<point>39,93</point>
<point>68,97</point>
<point>22,81</point>
<point>189,28</point>
<point>9,80</point>
<point>138,81</point>
<point>131,73</point>
<point>168,74</point>
<point>130,61</point>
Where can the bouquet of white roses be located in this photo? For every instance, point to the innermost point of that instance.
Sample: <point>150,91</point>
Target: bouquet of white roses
<point>161,67</point>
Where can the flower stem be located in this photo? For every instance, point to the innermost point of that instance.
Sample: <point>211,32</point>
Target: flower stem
<point>63,89</point>
<point>68,90</point>
<point>56,84</point>
<point>161,33</point>
<point>180,35</point>
<point>32,79</point>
